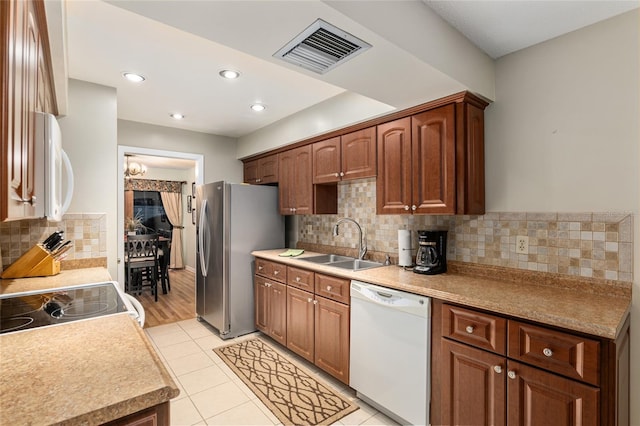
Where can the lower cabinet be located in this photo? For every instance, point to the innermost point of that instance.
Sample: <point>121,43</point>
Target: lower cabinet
<point>309,314</point>
<point>153,416</point>
<point>492,370</point>
<point>271,308</point>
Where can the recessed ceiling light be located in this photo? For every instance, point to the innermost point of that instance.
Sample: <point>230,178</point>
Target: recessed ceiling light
<point>230,74</point>
<point>177,116</point>
<point>131,76</point>
<point>258,107</point>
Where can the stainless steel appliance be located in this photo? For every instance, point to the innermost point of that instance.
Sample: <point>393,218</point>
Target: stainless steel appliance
<point>389,340</point>
<point>41,308</point>
<point>232,221</point>
<point>431,258</point>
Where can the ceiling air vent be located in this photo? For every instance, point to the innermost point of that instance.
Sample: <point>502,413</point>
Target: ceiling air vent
<point>321,47</point>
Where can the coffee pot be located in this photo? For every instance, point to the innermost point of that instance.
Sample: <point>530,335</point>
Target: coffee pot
<point>431,258</point>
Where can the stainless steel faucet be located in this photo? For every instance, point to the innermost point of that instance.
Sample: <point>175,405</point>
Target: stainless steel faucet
<point>362,250</point>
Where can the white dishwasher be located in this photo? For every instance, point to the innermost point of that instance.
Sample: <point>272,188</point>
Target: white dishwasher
<point>390,351</point>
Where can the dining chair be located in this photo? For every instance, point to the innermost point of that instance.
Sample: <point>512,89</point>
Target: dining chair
<point>164,258</point>
<point>141,263</point>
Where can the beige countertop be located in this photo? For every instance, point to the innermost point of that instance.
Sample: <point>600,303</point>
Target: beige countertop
<point>84,372</point>
<point>582,305</point>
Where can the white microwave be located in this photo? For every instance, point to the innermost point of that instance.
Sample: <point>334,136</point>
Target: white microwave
<point>51,164</point>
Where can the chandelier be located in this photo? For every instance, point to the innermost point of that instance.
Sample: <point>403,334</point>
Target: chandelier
<point>134,168</point>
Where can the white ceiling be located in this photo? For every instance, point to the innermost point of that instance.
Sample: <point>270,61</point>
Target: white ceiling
<point>181,45</point>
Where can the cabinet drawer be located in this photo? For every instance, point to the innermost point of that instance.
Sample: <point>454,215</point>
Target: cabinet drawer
<point>300,278</point>
<point>273,270</point>
<point>332,288</point>
<point>482,330</point>
<point>573,356</point>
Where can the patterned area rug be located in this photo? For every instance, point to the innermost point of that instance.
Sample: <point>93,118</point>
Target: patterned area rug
<point>291,393</point>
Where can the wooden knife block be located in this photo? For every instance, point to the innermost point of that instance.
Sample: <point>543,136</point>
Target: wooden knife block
<point>37,262</point>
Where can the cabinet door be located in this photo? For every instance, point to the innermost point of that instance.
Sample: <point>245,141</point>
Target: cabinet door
<point>251,172</point>
<point>262,304</point>
<point>537,397</point>
<point>300,320</point>
<point>278,312</point>
<point>268,169</point>
<point>473,386</point>
<point>393,185</point>
<point>332,338</point>
<point>295,185</point>
<point>359,154</point>
<point>326,161</point>
<point>433,158</point>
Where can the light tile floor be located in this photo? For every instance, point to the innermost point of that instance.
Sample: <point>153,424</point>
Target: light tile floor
<point>212,394</point>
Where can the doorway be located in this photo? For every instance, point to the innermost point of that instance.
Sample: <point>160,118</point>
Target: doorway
<point>159,164</point>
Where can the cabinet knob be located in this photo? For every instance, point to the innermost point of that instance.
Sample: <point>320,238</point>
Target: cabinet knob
<point>547,352</point>
<point>259,268</point>
<point>329,288</point>
<point>469,329</point>
<point>298,279</point>
<point>267,284</point>
<point>309,300</point>
<point>406,207</point>
<point>275,272</point>
<point>341,174</point>
<point>337,174</point>
<point>258,180</point>
<point>413,207</point>
<point>497,369</point>
<point>511,374</point>
<point>315,302</point>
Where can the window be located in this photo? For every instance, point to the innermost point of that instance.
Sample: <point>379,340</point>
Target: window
<point>148,206</point>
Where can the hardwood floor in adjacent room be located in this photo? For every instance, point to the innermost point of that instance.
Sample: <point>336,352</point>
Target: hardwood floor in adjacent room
<point>177,305</point>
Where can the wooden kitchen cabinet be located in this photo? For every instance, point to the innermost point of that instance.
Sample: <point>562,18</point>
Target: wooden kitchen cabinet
<point>26,88</point>
<point>153,416</point>
<point>270,294</point>
<point>350,156</point>
<point>432,162</point>
<point>300,322</point>
<point>261,171</point>
<point>496,370</point>
<point>332,338</point>
<point>295,183</point>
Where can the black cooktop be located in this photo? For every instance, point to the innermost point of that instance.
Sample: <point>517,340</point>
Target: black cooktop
<point>23,311</point>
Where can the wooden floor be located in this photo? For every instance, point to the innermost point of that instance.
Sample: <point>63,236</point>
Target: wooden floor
<point>177,305</point>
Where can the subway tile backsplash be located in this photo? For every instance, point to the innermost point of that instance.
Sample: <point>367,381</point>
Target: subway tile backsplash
<point>598,245</point>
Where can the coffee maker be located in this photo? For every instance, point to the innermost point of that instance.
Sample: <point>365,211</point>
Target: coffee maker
<point>431,258</point>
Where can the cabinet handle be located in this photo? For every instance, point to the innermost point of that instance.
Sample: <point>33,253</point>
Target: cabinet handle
<point>267,284</point>
<point>341,174</point>
<point>329,288</point>
<point>406,207</point>
<point>469,329</point>
<point>413,207</point>
<point>298,279</point>
<point>497,369</point>
<point>547,352</point>
<point>511,374</point>
<point>258,180</point>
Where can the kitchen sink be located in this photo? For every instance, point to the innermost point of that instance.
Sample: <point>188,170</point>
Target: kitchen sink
<point>356,264</point>
<point>342,262</point>
<point>327,258</point>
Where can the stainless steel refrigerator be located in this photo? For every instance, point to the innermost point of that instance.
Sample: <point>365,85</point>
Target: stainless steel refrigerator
<point>232,220</point>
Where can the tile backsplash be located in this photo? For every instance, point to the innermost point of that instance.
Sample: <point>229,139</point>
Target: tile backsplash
<point>86,231</point>
<point>598,245</point>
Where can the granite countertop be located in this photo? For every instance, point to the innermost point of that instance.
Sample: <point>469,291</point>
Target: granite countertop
<point>582,305</point>
<point>84,372</point>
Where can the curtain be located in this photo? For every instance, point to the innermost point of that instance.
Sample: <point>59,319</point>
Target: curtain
<point>172,203</point>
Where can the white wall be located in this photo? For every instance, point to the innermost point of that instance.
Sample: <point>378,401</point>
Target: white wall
<point>563,136</point>
<point>89,137</point>
<point>219,152</point>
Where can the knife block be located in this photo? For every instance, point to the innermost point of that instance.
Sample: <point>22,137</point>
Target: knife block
<point>37,262</point>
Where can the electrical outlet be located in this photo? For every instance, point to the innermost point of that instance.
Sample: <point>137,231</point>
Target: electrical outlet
<point>522,244</point>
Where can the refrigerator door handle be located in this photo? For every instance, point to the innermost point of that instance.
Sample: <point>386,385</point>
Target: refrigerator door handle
<point>203,225</point>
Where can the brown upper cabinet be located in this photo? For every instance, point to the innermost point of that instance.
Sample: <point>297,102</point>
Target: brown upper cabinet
<point>26,88</point>
<point>350,156</point>
<point>432,162</point>
<point>295,187</point>
<point>261,171</point>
